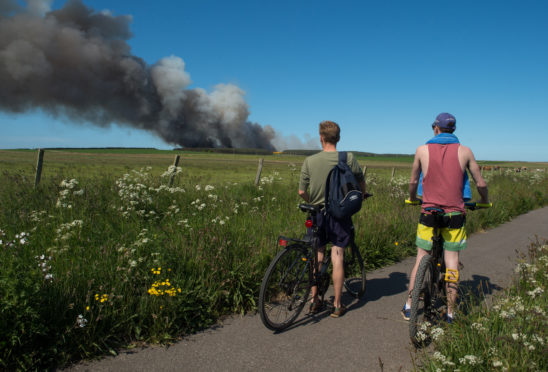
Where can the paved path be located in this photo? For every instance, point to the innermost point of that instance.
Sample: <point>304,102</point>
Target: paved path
<point>372,332</point>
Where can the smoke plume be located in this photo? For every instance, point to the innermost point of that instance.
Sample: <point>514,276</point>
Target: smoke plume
<point>74,62</point>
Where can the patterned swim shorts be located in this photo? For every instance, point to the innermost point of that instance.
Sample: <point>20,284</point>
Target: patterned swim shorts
<point>452,231</point>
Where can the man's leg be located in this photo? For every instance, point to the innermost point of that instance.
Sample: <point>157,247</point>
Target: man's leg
<point>451,262</point>
<point>337,258</point>
<point>314,289</point>
<point>420,254</point>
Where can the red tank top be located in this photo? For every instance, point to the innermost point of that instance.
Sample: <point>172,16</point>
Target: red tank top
<point>442,185</point>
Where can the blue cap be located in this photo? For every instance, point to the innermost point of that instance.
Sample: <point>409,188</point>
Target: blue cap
<point>445,120</point>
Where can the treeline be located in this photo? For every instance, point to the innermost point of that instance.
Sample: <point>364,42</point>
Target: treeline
<point>285,152</point>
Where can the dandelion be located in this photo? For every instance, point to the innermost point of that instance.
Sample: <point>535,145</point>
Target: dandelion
<point>396,244</point>
<point>101,298</point>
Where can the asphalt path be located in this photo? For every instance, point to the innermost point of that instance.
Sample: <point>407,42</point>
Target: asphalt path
<point>372,333</point>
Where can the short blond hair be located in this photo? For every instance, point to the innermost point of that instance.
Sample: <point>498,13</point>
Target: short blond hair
<point>330,131</point>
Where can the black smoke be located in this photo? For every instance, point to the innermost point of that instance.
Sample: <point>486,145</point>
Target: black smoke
<point>76,63</point>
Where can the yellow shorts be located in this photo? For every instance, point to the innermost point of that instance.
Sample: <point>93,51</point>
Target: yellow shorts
<point>454,239</point>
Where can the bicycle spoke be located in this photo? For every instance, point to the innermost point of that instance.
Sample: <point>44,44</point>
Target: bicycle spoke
<point>354,272</point>
<point>285,288</point>
<point>422,298</point>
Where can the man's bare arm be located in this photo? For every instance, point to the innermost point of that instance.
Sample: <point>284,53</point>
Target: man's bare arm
<point>475,171</point>
<point>415,175</point>
<point>303,194</point>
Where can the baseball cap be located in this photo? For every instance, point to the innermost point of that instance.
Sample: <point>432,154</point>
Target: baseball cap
<point>445,120</point>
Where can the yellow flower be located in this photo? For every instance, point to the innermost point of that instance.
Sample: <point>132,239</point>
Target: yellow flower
<point>396,244</point>
<point>87,308</point>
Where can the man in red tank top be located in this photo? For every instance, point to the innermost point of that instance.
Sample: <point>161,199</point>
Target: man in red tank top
<point>443,163</point>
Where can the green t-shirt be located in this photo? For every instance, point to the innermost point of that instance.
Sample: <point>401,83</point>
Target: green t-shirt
<point>315,169</point>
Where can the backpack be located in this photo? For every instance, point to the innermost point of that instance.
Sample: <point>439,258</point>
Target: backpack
<point>343,195</point>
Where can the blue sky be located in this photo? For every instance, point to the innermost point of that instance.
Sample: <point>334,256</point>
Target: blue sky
<point>382,70</point>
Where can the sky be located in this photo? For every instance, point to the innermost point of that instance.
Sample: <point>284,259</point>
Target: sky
<point>382,70</point>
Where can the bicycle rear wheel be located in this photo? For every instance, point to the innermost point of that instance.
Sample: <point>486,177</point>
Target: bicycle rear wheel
<point>285,288</point>
<point>354,272</point>
<point>420,320</point>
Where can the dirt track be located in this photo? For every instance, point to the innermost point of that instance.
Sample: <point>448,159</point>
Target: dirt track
<point>372,332</point>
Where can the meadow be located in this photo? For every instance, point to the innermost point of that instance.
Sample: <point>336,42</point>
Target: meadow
<point>506,333</point>
<point>105,253</point>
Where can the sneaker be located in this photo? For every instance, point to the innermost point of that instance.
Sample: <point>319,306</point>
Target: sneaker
<point>338,311</point>
<point>315,307</point>
<point>449,319</point>
<point>406,313</point>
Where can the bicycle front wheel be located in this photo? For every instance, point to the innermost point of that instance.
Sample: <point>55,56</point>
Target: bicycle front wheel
<point>420,320</point>
<point>354,272</point>
<point>285,288</point>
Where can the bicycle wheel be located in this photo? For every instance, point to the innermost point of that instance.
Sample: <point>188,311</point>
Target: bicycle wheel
<point>354,272</point>
<point>285,288</point>
<point>421,303</point>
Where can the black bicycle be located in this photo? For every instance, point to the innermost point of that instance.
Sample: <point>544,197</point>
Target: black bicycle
<point>429,292</point>
<point>286,285</point>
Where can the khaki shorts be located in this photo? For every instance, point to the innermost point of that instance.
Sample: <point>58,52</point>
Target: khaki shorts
<point>454,238</point>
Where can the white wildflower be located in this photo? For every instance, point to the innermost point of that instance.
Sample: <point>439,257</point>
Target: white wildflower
<point>81,321</point>
<point>535,292</point>
<point>437,333</point>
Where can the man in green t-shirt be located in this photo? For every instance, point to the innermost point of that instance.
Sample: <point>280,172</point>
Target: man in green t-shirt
<point>314,172</point>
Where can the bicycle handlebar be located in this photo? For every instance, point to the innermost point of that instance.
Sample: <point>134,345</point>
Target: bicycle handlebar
<point>469,205</point>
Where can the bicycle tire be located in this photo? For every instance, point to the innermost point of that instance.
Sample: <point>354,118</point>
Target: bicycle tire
<point>285,288</point>
<point>421,302</point>
<point>354,272</point>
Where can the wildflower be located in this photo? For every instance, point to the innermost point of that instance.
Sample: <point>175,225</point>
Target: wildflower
<point>535,292</point>
<point>497,363</point>
<point>209,188</point>
<point>81,321</point>
<point>396,244</point>
<point>102,298</point>
<point>470,359</point>
<point>437,333</point>
<point>87,308</point>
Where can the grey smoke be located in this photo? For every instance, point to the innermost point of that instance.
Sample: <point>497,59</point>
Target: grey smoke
<point>75,63</point>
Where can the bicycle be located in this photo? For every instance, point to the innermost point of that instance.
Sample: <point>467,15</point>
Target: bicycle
<point>429,290</point>
<point>292,273</point>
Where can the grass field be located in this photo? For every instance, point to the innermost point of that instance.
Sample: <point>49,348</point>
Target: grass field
<point>105,254</point>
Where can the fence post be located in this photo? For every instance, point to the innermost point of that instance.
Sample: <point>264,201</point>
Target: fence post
<point>259,170</point>
<point>39,161</point>
<point>175,164</point>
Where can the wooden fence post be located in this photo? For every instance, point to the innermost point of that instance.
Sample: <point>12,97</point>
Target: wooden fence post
<point>39,161</point>
<point>259,170</point>
<point>175,164</point>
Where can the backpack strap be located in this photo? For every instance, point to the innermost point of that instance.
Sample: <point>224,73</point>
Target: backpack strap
<point>342,157</point>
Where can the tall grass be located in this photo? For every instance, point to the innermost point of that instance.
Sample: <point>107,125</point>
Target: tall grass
<point>94,264</point>
<point>507,334</point>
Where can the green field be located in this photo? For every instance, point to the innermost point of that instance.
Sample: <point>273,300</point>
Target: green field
<point>105,254</point>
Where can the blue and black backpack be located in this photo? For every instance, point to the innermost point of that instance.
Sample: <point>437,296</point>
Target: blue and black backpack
<point>343,195</point>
